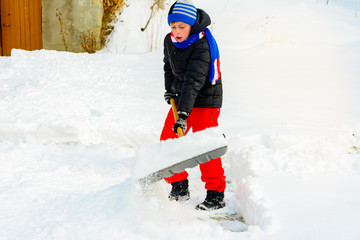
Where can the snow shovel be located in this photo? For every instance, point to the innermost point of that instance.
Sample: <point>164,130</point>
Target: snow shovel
<point>172,156</point>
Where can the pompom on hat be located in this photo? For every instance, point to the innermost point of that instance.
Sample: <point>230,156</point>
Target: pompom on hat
<point>184,11</point>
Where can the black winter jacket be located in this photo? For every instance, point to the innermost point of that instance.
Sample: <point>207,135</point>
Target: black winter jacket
<point>187,71</point>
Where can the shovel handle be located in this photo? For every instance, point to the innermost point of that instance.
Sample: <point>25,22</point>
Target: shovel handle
<point>176,116</point>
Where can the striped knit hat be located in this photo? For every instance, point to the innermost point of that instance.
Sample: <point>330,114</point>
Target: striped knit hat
<point>184,11</point>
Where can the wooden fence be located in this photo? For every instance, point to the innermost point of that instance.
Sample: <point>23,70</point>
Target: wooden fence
<point>21,25</point>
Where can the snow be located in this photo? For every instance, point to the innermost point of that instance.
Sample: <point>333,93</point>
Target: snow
<point>71,125</point>
<point>150,159</point>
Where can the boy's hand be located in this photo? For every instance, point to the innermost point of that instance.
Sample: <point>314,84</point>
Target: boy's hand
<point>168,95</point>
<point>181,122</point>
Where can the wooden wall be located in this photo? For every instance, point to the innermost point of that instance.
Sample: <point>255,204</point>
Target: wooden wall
<point>21,25</point>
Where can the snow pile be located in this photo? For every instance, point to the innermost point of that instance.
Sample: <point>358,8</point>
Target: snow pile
<point>254,206</point>
<point>298,156</point>
<point>66,97</point>
<point>167,153</point>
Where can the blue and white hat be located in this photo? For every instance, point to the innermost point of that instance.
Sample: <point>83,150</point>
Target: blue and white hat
<point>184,11</point>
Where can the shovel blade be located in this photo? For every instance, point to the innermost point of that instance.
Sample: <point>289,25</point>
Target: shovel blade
<point>181,166</point>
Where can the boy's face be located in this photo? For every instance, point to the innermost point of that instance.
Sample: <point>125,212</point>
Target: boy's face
<point>180,30</point>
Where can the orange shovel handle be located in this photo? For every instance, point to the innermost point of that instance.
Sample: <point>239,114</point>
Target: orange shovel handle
<point>176,116</point>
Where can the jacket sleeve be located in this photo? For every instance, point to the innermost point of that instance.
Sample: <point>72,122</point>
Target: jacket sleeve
<point>168,75</point>
<point>196,74</point>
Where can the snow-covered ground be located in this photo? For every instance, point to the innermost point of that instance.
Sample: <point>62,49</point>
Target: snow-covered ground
<point>71,125</point>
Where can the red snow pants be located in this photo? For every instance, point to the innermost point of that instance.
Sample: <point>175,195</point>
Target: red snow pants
<point>212,172</point>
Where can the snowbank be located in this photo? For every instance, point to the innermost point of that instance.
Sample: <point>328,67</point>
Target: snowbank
<point>66,97</point>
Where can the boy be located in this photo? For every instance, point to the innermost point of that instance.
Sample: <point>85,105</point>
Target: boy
<point>192,78</point>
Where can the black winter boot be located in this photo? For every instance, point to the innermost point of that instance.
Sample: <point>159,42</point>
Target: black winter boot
<point>180,191</point>
<point>214,200</point>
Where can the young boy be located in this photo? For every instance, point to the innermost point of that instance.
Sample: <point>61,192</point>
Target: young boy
<point>192,78</point>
